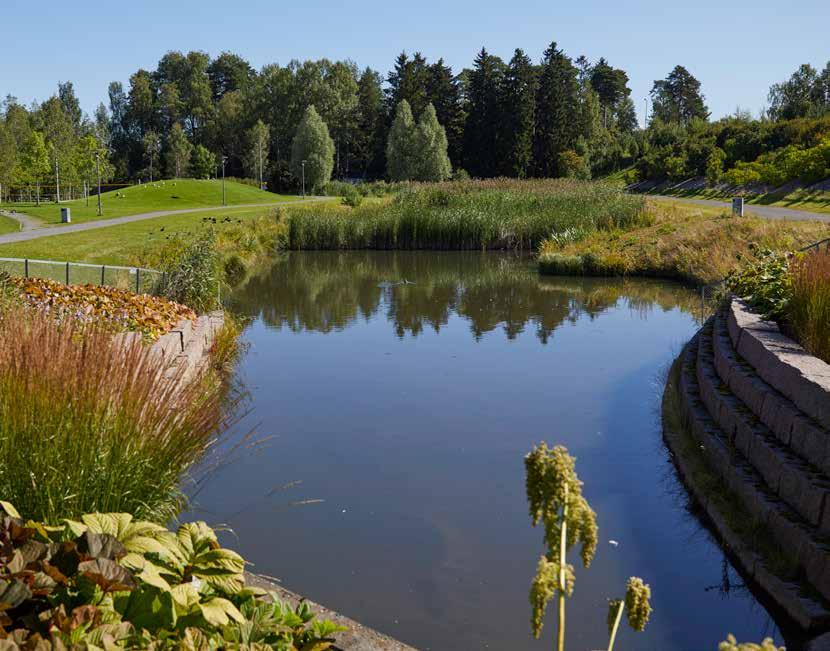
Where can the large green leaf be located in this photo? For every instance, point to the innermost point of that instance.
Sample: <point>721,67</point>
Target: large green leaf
<point>219,612</point>
<point>108,574</point>
<point>9,510</point>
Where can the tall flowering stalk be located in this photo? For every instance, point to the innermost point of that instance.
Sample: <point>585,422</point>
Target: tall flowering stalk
<point>554,494</point>
<point>636,606</point>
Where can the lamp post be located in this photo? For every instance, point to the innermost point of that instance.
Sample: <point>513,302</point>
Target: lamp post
<point>224,160</point>
<point>645,121</point>
<point>98,169</point>
<point>303,164</point>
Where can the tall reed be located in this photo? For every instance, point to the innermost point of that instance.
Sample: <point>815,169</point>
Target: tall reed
<point>467,215</point>
<point>89,423</point>
<point>809,306</point>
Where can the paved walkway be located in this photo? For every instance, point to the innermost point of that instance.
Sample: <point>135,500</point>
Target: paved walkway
<point>27,223</point>
<point>36,228</point>
<point>769,212</point>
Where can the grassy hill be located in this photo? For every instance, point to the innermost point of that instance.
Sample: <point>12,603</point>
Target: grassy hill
<point>8,225</point>
<point>150,197</point>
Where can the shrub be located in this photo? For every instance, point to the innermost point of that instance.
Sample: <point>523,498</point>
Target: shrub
<point>91,422</point>
<point>765,283</point>
<point>193,279</point>
<point>111,582</point>
<point>351,197</point>
<point>557,264</point>
<point>809,306</point>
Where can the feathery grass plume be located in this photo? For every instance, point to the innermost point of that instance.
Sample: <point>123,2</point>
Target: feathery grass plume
<point>92,423</point>
<point>731,644</point>
<point>554,495</point>
<point>636,606</point>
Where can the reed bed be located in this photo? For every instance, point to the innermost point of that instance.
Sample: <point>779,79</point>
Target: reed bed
<point>89,423</point>
<point>809,305</point>
<point>497,214</point>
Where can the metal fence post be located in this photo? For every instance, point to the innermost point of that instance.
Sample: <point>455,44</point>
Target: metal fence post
<point>137,280</point>
<point>103,274</point>
<point>67,273</point>
<point>26,268</point>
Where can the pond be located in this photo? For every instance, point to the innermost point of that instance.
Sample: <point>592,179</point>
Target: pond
<point>394,396</point>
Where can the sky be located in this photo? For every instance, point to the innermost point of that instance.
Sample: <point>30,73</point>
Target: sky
<point>736,49</point>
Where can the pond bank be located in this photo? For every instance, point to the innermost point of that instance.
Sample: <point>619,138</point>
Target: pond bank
<point>744,416</point>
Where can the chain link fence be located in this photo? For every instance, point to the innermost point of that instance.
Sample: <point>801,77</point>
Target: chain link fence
<point>134,279</point>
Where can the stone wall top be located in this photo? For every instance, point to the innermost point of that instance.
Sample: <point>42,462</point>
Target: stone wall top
<point>780,361</point>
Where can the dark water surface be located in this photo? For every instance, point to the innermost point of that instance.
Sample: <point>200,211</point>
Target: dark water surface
<point>407,409</point>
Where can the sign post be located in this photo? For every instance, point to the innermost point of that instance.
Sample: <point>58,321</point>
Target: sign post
<point>738,206</point>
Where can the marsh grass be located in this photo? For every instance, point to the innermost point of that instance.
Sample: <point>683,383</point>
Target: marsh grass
<point>466,215</point>
<point>809,305</point>
<point>685,243</point>
<point>89,423</point>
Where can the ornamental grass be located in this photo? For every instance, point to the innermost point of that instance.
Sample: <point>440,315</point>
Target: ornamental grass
<point>809,304</point>
<point>93,423</point>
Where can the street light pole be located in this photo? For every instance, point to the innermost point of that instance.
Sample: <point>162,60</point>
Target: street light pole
<point>303,179</point>
<point>223,180</point>
<point>645,122</point>
<point>98,169</point>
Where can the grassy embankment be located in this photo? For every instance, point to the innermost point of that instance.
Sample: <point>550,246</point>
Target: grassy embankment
<point>809,201</point>
<point>180,194</point>
<point>688,242</point>
<point>8,225</point>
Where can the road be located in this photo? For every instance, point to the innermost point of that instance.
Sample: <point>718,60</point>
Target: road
<point>33,229</point>
<point>769,212</point>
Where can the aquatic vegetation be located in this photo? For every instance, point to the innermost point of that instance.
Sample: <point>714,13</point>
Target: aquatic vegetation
<point>108,581</point>
<point>467,215</point>
<point>731,644</point>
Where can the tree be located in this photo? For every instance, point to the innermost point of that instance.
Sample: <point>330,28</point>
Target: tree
<point>203,162</point>
<point>228,73</point>
<point>444,93</point>
<point>519,110</point>
<point>610,84</point>
<point>35,160</point>
<point>179,151</point>
<point>152,148</point>
<point>371,124</point>
<point>313,149</point>
<point>677,98</point>
<point>804,94</point>
<point>481,132</point>
<point>432,161</point>
<point>557,107</point>
<point>259,143</point>
<point>401,145</point>
<point>408,81</point>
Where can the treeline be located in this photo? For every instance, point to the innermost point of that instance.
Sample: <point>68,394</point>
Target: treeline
<point>790,141</point>
<point>557,117</point>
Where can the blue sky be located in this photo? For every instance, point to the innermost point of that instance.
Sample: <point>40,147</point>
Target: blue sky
<point>736,49</point>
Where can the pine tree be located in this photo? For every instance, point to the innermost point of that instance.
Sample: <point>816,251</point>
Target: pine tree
<point>313,146</point>
<point>401,146</point>
<point>519,111</point>
<point>557,112</point>
<point>408,81</point>
<point>677,98</point>
<point>483,115</point>
<point>432,162</point>
<point>371,125</point>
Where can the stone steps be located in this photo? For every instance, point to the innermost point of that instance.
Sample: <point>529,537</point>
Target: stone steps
<point>803,486</point>
<point>787,528</point>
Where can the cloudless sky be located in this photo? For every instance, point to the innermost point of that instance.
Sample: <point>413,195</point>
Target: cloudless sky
<point>736,49</point>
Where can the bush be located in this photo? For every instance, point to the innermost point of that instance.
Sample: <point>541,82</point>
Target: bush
<point>193,279</point>
<point>809,306</point>
<point>351,197</point>
<point>108,581</point>
<point>557,264</point>
<point>765,283</point>
<point>92,422</point>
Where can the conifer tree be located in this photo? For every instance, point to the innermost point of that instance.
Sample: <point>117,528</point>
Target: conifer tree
<point>557,106</point>
<point>444,92</point>
<point>402,146</point>
<point>313,145</point>
<point>370,143</point>
<point>483,115</point>
<point>431,160</point>
<point>519,111</point>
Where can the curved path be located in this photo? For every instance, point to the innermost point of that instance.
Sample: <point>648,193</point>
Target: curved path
<point>27,223</point>
<point>34,229</point>
<point>769,212</point>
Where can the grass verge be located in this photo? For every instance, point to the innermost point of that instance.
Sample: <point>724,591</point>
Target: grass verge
<point>179,194</point>
<point>807,200</point>
<point>8,225</point>
<point>690,243</point>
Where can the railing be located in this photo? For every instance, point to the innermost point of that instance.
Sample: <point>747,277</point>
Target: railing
<point>137,279</point>
<point>816,245</point>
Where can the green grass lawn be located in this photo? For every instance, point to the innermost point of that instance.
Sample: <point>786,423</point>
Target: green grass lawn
<point>122,244</point>
<point>180,194</point>
<point>8,225</point>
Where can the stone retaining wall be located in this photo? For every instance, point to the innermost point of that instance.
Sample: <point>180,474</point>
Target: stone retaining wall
<point>757,408</point>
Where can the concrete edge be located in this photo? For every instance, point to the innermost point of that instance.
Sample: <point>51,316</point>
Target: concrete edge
<point>357,638</point>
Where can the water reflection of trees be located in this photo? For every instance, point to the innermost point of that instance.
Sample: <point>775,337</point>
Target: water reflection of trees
<point>327,291</point>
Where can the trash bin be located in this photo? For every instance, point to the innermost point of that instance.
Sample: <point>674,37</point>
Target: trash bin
<point>66,217</point>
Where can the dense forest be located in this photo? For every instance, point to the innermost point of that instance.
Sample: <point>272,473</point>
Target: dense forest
<point>557,117</point>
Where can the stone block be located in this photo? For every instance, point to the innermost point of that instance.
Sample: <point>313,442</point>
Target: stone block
<point>744,440</point>
<point>810,442</point>
<point>767,461</point>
